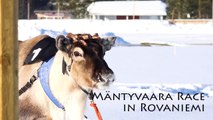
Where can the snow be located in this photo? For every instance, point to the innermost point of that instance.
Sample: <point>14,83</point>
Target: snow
<point>159,70</point>
<point>140,8</point>
<point>132,31</point>
<point>185,66</point>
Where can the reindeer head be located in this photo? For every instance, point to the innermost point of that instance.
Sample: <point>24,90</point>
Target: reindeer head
<point>84,56</point>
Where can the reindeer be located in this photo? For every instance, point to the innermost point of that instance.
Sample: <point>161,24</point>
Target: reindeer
<point>77,66</point>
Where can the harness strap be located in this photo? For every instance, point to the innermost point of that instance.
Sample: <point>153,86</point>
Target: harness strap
<point>44,79</point>
<point>92,103</point>
<point>98,114</point>
<point>27,85</point>
<point>43,74</point>
<point>89,94</point>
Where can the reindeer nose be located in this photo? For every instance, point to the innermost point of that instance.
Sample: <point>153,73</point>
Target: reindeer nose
<point>105,80</point>
<point>110,77</point>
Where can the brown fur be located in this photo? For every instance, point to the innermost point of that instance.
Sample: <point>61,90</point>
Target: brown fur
<point>87,66</point>
<point>29,111</point>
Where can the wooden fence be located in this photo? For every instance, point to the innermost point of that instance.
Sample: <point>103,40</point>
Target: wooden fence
<point>191,21</point>
<point>8,60</point>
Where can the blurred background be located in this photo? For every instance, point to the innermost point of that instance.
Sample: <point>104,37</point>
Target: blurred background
<point>75,9</point>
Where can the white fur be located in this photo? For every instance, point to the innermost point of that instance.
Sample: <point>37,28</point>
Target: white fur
<point>67,92</point>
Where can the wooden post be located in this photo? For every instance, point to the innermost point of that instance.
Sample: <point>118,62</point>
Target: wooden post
<point>28,9</point>
<point>8,60</point>
<point>199,9</point>
<point>212,12</point>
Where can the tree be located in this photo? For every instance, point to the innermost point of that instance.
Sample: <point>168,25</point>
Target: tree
<point>34,5</point>
<point>183,9</point>
<point>78,8</point>
<point>22,9</point>
<point>178,9</point>
<point>205,9</point>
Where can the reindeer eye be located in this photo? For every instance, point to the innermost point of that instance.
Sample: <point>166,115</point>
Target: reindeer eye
<point>76,54</point>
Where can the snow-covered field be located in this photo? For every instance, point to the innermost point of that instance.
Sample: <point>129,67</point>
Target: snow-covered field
<point>186,66</point>
<point>135,31</point>
<point>166,70</point>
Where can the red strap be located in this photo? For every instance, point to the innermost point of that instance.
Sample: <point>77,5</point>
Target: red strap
<point>98,114</point>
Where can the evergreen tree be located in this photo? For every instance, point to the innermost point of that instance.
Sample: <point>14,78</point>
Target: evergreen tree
<point>34,5</point>
<point>176,9</point>
<point>22,9</point>
<point>183,9</point>
<point>78,8</point>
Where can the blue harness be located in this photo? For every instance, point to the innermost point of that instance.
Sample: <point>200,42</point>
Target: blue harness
<point>43,74</point>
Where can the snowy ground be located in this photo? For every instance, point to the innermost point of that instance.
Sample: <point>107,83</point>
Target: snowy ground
<point>159,70</point>
<point>185,67</point>
<point>133,31</point>
<point>114,109</point>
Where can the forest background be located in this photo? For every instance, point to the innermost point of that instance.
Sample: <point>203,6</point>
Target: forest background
<point>176,9</point>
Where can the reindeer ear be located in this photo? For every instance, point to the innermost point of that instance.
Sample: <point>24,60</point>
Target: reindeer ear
<point>64,44</point>
<point>107,43</point>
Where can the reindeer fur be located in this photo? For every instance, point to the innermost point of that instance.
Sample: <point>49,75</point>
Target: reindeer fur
<point>35,105</point>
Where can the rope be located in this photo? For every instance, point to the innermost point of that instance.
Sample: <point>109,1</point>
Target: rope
<point>92,103</point>
<point>98,114</point>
